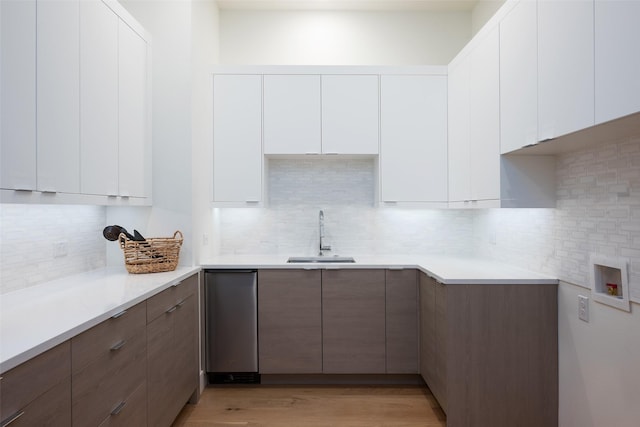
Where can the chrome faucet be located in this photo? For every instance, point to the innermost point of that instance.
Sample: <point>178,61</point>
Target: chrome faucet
<point>321,226</point>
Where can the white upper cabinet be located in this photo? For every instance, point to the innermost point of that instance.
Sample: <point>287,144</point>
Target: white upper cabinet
<point>350,114</point>
<point>292,114</point>
<point>413,138</point>
<point>18,94</point>
<point>474,124</point>
<point>132,112</point>
<point>519,77</point>
<point>484,121</point>
<point>459,162</point>
<point>237,138</point>
<point>617,59</point>
<point>58,93</point>
<point>565,67</point>
<point>98,99</point>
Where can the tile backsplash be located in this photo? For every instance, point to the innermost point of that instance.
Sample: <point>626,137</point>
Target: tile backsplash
<point>597,212</point>
<point>35,238</point>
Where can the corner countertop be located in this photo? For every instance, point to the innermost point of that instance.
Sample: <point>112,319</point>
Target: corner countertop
<point>38,318</point>
<point>449,270</point>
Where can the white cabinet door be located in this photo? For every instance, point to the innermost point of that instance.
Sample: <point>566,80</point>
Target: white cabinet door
<point>519,77</point>
<point>292,114</point>
<point>484,121</point>
<point>413,138</point>
<point>18,94</point>
<point>132,112</point>
<point>58,86</point>
<point>237,138</point>
<point>565,67</point>
<point>350,114</point>
<point>459,162</point>
<point>617,59</point>
<point>98,99</point>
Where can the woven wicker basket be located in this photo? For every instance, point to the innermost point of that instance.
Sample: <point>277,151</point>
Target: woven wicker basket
<point>152,255</point>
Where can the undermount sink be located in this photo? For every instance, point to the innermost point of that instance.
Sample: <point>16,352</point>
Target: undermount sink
<point>322,259</point>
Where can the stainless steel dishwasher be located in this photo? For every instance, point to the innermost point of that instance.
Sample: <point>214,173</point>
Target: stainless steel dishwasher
<point>231,316</point>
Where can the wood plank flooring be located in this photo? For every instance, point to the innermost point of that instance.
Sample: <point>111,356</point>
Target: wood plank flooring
<point>314,406</point>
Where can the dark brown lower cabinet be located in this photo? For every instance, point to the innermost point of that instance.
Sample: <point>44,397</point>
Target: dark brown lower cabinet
<point>402,322</point>
<point>172,352</point>
<point>38,392</point>
<point>490,352</point>
<point>290,321</point>
<point>353,321</point>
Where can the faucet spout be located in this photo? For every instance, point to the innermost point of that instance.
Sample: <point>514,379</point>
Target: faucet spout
<point>323,247</point>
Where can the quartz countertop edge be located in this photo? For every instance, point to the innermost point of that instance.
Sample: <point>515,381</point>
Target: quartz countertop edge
<point>38,318</point>
<point>448,270</point>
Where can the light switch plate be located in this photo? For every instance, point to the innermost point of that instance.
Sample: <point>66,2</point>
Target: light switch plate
<point>583,308</point>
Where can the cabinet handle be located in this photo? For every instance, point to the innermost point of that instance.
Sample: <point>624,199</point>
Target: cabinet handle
<point>311,153</point>
<point>118,346</point>
<point>253,202</point>
<point>172,309</point>
<point>175,285</point>
<point>12,418</point>
<point>181,303</point>
<point>331,154</point>
<point>119,408</point>
<point>120,314</point>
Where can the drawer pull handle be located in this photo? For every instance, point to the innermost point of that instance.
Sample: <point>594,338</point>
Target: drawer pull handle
<point>118,346</point>
<point>119,408</point>
<point>120,314</point>
<point>172,309</point>
<point>12,418</point>
<point>180,304</point>
<point>176,284</point>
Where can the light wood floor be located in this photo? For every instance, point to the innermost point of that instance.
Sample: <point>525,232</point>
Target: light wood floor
<point>317,406</point>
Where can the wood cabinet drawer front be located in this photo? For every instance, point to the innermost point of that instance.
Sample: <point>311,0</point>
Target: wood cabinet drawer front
<point>26,382</point>
<point>107,381</point>
<point>104,339</point>
<point>130,412</point>
<point>170,297</point>
<point>51,409</point>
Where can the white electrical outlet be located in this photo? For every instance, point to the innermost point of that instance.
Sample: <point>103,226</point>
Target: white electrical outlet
<point>60,249</point>
<point>583,308</point>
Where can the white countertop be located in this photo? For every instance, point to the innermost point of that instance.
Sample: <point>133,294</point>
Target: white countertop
<point>38,318</point>
<point>450,270</point>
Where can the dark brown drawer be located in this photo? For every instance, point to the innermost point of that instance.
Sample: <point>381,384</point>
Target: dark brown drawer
<point>130,412</point>
<point>51,409</point>
<point>104,339</point>
<point>26,382</point>
<point>170,297</point>
<point>108,380</point>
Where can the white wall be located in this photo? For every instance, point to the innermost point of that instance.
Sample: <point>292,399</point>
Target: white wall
<point>277,37</point>
<point>169,23</point>
<point>205,47</point>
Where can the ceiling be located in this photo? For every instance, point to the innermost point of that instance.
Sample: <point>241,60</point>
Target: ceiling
<point>430,5</point>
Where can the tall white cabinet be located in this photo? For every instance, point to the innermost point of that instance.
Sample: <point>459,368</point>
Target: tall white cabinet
<point>75,103</point>
<point>413,139</point>
<point>58,95</point>
<point>474,139</point>
<point>133,132</point>
<point>18,89</point>
<point>99,99</point>
<point>565,67</point>
<point>519,77</point>
<point>237,139</point>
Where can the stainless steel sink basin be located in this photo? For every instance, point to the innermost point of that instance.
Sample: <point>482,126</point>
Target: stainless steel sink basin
<point>320,259</point>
